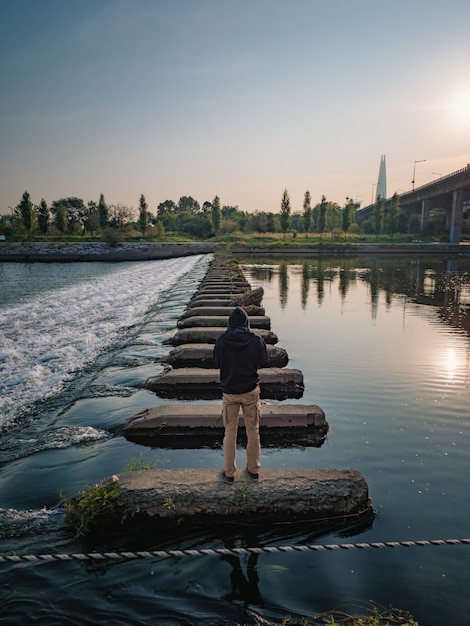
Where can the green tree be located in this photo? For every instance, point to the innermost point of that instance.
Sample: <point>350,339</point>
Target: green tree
<point>6,226</point>
<point>27,212</point>
<point>285,212</point>
<point>271,224</point>
<point>307,214</point>
<point>333,216</point>
<point>43,217</point>
<point>91,222</point>
<point>322,216</point>
<point>169,221</point>
<point>227,226</point>
<point>189,204</point>
<point>216,215</point>
<point>159,229</point>
<point>120,216</point>
<point>75,212</point>
<point>259,222</point>
<point>143,215</point>
<point>61,218</point>
<point>167,207</point>
<point>378,215</point>
<point>198,226</point>
<point>103,213</point>
<point>393,214</point>
<point>347,214</point>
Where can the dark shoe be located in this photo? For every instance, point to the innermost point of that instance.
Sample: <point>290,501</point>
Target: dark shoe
<point>253,476</point>
<point>228,479</point>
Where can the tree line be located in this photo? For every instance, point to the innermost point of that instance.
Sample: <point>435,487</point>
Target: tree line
<point>72,216</point>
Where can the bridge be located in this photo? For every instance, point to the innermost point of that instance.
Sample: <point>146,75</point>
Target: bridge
<point>450,193</point>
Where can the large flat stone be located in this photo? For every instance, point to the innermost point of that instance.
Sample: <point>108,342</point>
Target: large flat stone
<point>251,309</point>
<point>208,300</point>
<point>259,321</point>
<point>203,334</point>
<point>222,289</point>
<point>201,355</point>
<point>188,416</point>
<point>210,281</point>
<point>189,383</point>
<point>189,426</point>
<point>188,496</point>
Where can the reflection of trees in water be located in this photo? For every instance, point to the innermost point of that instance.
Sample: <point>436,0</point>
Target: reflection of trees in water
<point>343,282</point>
<point>424,281</point>
<point>437,281</point>
<point>262,272</point>
<point>322,272</point>
<point>319,275</point>
<point>305,284</point>
<point>283,284</point>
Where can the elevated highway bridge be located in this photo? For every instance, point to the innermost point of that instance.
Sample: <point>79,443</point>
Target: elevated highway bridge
<point>450,193</point>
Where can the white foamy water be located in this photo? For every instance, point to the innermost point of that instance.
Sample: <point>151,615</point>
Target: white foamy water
<point>54,334</point>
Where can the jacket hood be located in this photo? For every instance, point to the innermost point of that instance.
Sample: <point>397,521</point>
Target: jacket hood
<point>238,318</point>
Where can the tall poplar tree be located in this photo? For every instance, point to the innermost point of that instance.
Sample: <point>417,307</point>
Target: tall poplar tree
<point>216,215</point>
<point>43,217</point>
<point>322,216</point>
<point>285,212</point>
<point>378,215</point>
<point>143,214</point>
<point>347,214</point>
<point>307,215</point>
<point>26,210</point>
<point>393,213</point>
<point>103,213</point>
<point>61,218</point>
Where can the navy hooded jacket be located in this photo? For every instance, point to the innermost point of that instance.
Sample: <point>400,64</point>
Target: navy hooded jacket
<point>239,353</point>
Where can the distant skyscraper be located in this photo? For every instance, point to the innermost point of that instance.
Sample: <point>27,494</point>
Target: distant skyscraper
<point>382,180</point>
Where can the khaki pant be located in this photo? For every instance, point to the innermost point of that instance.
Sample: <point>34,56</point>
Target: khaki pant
<point>250,404</point>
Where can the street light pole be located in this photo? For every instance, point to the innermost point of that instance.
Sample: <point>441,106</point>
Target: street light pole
<point>414,171</point>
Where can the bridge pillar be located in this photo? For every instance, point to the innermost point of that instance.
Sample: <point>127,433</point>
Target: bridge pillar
<point>425,210</point>
<point>456,216</point>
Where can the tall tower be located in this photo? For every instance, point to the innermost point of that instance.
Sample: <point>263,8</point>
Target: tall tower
<point>382,179</point>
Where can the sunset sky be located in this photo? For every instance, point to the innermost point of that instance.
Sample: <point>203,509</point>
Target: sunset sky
<point>236,98</point>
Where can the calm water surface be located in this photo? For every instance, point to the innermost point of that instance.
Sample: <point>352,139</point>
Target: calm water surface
<point>384,348</point>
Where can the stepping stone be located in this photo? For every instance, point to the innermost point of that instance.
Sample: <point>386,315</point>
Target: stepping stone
<point>186,497</point>
<point>209,335</point>
<point>200,383</point>
<point>191,417</point>
<point>223,289</point>
<point>260,321</point>
<point>218,300</point>
<point>251,309</point>
<point>201,355</point>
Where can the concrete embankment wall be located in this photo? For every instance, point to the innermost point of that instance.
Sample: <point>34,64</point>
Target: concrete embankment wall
<point>98,251</point>
<point>359,249</point>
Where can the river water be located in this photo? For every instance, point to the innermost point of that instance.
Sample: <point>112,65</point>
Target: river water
<point>384,348</point>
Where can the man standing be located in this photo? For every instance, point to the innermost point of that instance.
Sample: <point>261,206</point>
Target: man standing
<point>239,353</point>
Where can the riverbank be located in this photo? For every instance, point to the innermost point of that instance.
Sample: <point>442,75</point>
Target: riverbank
<point>33,252</point>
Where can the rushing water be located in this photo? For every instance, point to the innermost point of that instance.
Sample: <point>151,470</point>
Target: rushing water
<point>384,348</point>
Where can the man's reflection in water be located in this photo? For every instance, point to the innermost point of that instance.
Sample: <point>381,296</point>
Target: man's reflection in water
<point>244,588</point>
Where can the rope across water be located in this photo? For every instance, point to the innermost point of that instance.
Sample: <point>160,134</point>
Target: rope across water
<point>119,556</point>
